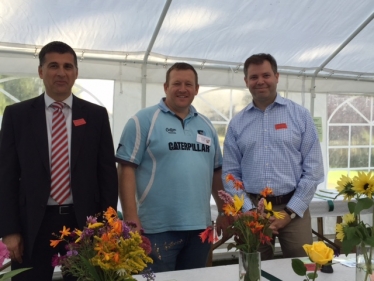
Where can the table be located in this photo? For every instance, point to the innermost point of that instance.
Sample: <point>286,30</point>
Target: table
<point>280,268</point>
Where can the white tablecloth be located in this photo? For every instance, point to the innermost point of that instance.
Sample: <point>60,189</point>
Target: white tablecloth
<point>280,268</point>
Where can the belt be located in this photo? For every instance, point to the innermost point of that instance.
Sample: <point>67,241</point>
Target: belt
<point>275,200</point>
<point>60,209</point>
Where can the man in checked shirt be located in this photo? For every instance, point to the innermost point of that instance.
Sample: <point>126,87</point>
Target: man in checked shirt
<point>273,143</point>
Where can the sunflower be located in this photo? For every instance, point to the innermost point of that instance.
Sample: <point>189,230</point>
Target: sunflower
<point>340,231</point>
<point>363,183</point>
<point>345,187</point>
<point>349,219</point>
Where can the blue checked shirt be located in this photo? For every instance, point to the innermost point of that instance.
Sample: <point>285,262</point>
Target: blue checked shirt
<point>277,148</point>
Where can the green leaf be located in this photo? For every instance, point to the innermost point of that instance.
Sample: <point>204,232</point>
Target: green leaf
<point>349,244</point>
<point>362,204</point>
<point>351,207</point>
<point>230,246</point>
<point>351,232</point>
<point>298,267</point>
<point>91,269</point>
<point>12,273</point>
<point>369,241</point>
<point>312,275</point>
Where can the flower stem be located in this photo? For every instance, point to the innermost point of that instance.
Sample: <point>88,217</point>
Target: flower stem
<point>315,272</point>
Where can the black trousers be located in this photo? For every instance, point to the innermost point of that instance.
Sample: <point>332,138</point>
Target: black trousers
<point>41,257</point>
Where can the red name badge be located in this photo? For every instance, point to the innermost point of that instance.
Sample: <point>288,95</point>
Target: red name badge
<point>79,122</point>
<point>280,126</point>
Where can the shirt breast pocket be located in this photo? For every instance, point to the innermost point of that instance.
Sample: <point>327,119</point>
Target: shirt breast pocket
<point>288,137</point>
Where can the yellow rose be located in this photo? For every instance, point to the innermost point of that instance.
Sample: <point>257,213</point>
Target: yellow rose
<point>319,253</point>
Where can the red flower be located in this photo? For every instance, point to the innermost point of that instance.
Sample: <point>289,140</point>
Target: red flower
<point>146,245</point>
<point>209,234</point>
<point>264,238</point>
<point>55,260</point>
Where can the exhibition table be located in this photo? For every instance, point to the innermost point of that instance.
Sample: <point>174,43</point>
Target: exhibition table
<point>280,268</point>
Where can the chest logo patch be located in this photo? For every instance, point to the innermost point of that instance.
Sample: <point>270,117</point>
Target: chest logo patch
<point>171,130</point>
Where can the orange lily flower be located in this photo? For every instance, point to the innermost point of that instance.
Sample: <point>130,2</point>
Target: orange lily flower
<point>238,185</point>
<point>110,214</point>
<point>65,231</point>
<point>230,177</point>
<point>266,191</point>
<point>54,243</point>
<point>255,226</point>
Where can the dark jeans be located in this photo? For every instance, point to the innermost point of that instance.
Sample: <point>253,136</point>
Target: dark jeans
<point>178,250</point>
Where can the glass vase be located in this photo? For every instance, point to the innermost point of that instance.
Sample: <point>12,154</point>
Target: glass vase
<point>249,266</point>
<point>364,263</point>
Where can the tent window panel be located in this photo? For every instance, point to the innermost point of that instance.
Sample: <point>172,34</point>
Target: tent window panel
<point>16,89</point>
<point>359,157</point>
<point>372,136</point>
<point>338,135</point>
<point>360,135</point>
<point>338,157</point>
<point>240,100</point>
<point>333,102</point>
<point>221,132</point>
<point>347,114</point>
<point>363,105</point>
<point>372,159</point>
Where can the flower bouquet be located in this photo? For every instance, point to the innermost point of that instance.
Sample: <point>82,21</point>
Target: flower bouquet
<point>353,231</point>
<point>250,229</point>
<point>319,254</point>
<point>110,250</point>
<point>4,254</point>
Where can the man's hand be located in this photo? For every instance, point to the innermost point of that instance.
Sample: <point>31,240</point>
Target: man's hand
<point>222,225</point>
<point>279,223</point>
<point>14,243</point>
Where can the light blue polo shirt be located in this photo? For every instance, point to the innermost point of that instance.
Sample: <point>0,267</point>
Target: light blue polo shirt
<point>175,167</point>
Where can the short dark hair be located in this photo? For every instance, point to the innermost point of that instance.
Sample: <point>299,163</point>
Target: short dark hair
<point>181,66</point>
<point>259,59</point>
<point>56,47</point>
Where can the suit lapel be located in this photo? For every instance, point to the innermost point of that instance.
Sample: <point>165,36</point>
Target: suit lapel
<point>39,129</point>
<point>77,131</point>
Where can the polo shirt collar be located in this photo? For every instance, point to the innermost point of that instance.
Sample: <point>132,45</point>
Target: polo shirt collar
<point>164,108</point>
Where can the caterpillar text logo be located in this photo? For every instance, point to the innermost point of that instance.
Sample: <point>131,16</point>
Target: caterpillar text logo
<point>171,130</point>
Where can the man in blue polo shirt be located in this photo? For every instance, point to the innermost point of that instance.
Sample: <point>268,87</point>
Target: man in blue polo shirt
<point>169,165</point>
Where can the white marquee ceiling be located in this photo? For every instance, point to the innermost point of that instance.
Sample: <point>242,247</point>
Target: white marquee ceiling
<point>336,35</point>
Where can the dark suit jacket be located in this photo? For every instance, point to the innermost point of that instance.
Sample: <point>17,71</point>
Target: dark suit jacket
<point>25,178</point>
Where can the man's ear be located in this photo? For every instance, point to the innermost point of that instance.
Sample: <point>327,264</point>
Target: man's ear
<point>40,72</point>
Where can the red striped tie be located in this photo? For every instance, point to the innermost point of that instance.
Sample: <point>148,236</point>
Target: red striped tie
<point>60,172</point>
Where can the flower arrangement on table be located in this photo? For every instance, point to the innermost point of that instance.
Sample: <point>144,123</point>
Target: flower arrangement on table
<point>4,254</point>
<point>353,231</point>
<point>110,250</point>
<point>250,229</point>
<point>319,254</point>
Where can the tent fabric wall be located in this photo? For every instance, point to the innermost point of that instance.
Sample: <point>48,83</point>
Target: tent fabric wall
<point>303,36</point>
<point>322,47</point>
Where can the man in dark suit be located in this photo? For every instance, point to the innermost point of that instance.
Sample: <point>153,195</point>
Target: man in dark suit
<point>35,200</point>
